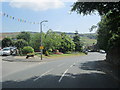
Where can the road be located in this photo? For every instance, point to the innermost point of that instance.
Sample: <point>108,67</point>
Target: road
<point>71,72</point>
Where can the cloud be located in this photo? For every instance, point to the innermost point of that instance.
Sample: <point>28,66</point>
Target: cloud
<point>37,5</point>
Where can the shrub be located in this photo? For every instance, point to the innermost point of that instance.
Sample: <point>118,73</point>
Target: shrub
<point>27,49</point>
<point>30,53</point>
<point>50,51</point>
<point>46,53</point>
<point>68,52</point>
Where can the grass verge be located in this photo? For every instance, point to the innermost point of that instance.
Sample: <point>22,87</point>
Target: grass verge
<point>62,55</point>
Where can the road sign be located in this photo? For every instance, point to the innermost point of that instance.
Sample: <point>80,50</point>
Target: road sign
<point>41,47</point>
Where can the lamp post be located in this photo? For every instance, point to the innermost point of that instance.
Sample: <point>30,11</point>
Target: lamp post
<point>41,37</point>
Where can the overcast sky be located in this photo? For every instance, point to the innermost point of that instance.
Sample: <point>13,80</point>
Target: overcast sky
<point>22,15</point>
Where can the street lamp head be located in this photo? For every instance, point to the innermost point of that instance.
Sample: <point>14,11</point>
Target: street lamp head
<point>45,20</point>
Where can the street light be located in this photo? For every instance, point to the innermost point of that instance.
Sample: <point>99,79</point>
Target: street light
<point>41,36</point>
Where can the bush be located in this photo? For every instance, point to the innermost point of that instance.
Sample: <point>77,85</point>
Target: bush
<point>30,53</point>
<point>50,51</point>
<point>68,52</point>
<point>46,53</point>
<point>27,49</point>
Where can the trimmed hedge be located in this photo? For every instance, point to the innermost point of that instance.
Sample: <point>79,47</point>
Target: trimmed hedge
<point>27,49</point>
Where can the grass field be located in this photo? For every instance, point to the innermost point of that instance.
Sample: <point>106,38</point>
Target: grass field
<point>88,41</point>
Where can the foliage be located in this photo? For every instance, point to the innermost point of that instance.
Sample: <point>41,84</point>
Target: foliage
<point>67,44</point>
<point>6,42</point>
<point>24,35</point>
<point>20,52</point>
<point>27,50</point>
<point>51,41</point>
<point>46,53</point>
<point>35,41</point>
<point>92,28</point>
<point>20,43</point>
<point>77,41</point>
<point>108,32</point>
<point>69,52</point>
<point>30,53</point>
<point>103,8</point>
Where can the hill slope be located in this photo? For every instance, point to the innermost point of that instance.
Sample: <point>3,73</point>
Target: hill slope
<point>88,39</point>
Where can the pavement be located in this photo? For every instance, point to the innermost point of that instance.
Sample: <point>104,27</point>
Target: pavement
<point>107,67</point>
<point>112,70</point>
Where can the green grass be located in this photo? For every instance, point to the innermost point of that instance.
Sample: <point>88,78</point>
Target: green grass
<point>88,41</point>
<point>61,55</point>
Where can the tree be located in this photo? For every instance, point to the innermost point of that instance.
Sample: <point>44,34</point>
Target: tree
<point>51,40</point>
<point>6,42</point>
<point>25,36</point>
<point>35,41</point>
<point>92,28</point>
<point>77,42</point>
<point>103,8</point>
<point>20,43</point>
<point>67,43</point>
<point>108,28</point>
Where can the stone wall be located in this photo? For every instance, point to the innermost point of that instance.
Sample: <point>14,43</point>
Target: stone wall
<point>113,56</point>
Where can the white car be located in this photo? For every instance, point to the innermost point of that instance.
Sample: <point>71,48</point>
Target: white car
<point>6,51</point>
<point>9,51</point>
<point>102,51</point>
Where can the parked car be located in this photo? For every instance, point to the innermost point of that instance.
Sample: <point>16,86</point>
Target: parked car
<point>85,51</point>
<point>9,51</point>
<point>102,51</point>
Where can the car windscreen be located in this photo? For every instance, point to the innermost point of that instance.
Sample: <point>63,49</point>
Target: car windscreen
<point>6,49</point>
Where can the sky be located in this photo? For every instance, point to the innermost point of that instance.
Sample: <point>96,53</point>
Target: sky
<point>56,12</point>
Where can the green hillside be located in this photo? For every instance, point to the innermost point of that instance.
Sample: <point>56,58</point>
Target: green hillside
<point>88,39</point>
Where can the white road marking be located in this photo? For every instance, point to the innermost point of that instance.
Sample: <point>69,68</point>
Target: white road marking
<point>60,65</point>
<point>42,63</point>
<point>74,64</point>
<point>43,74</point>
<point>64,73</point>
<point>71,65</point>
<point>62,76</point>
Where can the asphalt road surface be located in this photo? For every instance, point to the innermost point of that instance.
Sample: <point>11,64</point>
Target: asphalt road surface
<point>69,72</point>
